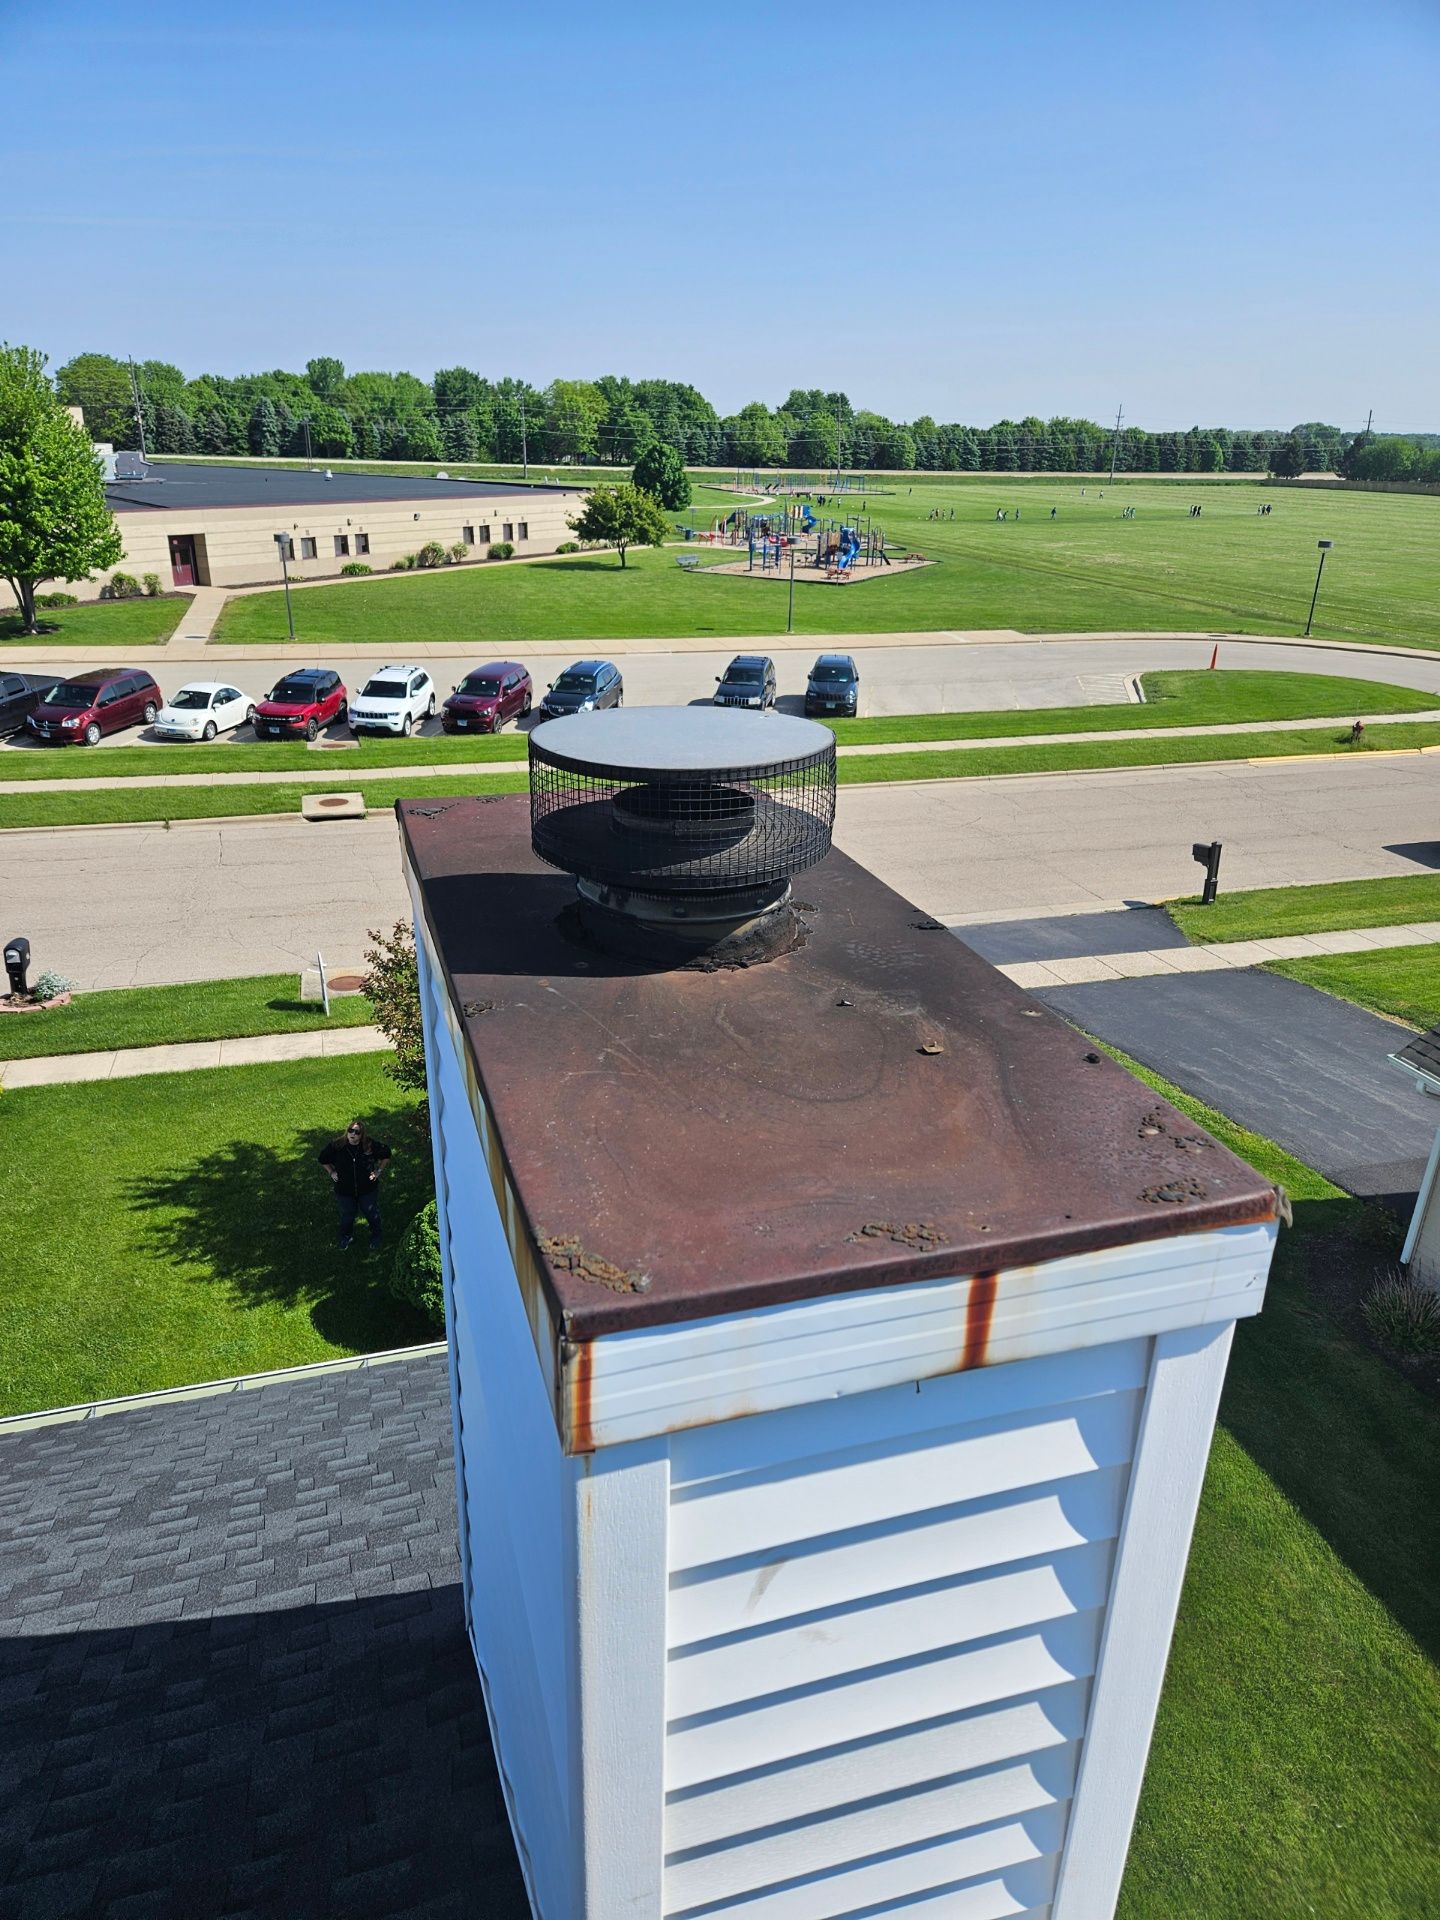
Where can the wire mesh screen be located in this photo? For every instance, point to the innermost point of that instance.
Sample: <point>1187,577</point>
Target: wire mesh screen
<point>667,830</point>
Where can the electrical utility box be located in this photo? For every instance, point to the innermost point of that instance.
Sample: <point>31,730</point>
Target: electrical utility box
<point>835,1347</point>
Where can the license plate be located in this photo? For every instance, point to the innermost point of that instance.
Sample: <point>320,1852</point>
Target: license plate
<point>274,732</point>
<point>462,723</point>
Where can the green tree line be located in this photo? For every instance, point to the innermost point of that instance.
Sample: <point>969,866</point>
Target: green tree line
<point>460,415</point>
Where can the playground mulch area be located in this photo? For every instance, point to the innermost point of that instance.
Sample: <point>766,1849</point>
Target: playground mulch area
<point>818,576</point>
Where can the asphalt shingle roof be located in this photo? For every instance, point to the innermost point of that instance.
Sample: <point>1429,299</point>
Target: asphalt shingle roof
<point>1422,1054</point>
<point>234,1677</point>
<point>186,488</point>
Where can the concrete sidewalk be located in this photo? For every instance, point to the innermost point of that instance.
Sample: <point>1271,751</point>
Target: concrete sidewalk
<point>322,1043</point>
<point>1223,956</point>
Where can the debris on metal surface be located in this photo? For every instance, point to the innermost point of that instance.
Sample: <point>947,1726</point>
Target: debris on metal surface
<point>1155,1125</point>
<point>918,1234</point>
<point>1172,1192</point>
<point>930,1046</point>
<point>565,1253</point>
<point>472,1009</point>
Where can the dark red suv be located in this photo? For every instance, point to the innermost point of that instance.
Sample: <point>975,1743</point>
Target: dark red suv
<point>487,697</point>
<point>302,703</point>
<point>91,704</point>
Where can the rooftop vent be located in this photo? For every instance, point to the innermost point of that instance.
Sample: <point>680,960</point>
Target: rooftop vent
<point>683,828</point>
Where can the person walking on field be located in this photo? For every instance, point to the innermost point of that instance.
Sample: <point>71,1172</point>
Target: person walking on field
<point>355,1163</point>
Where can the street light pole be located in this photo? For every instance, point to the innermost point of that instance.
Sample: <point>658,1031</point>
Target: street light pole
<point>790,611</point>
<point>282,541</point>
<point>1324,546</point>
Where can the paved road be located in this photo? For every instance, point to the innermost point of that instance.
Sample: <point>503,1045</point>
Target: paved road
<point>1284,1060</point>
<point>137,904</point>
<point>896,678</point>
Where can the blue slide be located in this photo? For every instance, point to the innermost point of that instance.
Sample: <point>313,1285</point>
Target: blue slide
<point>849,547</point>
<point>810,522</point>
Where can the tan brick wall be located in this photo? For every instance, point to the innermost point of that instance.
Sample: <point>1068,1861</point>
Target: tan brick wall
<point>235,546</point>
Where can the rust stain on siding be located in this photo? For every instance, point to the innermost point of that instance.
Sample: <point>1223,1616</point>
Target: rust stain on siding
<point>979,1312</point>
<point>577,1364</point>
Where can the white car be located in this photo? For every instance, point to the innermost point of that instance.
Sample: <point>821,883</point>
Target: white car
<point>202,709</point>
<point>393,701</point>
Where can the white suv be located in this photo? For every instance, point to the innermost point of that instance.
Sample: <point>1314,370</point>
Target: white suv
<point>393,700</point>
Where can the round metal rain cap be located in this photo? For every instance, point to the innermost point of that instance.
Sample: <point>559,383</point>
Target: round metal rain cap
<point>641,742</point>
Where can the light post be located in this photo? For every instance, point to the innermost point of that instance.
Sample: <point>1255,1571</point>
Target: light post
<point>282,541</point>
<point>1324,546</point>
<point>790,610</point>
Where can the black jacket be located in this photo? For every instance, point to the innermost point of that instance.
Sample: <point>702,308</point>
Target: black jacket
<point>356,1168</point>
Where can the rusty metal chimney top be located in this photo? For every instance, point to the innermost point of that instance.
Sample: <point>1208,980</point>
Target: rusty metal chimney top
<point>683,828</point>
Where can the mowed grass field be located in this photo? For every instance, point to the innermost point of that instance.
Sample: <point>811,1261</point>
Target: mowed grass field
<point>103,623</point>
<point>1087,570</point>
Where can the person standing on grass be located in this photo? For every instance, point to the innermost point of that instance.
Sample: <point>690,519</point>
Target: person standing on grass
<point>355,1163</point>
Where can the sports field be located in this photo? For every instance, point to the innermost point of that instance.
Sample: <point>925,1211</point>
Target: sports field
<point>1086,570</point>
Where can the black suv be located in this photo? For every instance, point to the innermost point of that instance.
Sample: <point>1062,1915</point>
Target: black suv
<point>748,681</point>
<point>583,688</point>
<point>19,696</point>
<point>833,686</point>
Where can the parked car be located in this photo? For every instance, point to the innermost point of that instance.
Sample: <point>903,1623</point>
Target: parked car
<point>91,704</point>
<point>587,685</point>
<point>202,709</point>
<point>833,686</point>
<point>748,681</point>
<point>487,697</point>
<point>302,703</point>
<point>20,694</point>
<point>394,700</point>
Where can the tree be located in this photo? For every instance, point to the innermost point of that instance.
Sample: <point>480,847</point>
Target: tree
<point>756,438</point>
<point>326,376</point>
<point>101,385</point>
<point>621,517</point>
<point>264,430</point>
<point>660,471</point>
<point>55,523</point>
<point>1287,461</point>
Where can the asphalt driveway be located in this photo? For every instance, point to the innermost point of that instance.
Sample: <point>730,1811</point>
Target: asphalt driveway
<point>1294,1064</point>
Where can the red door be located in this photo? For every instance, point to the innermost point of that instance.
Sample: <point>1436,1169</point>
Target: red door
<point>182,559</point>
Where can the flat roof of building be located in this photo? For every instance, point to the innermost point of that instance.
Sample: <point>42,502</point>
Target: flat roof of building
<point>188,487</point>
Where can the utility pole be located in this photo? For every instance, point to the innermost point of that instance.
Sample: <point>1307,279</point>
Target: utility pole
<point>1368,418</point>
<point>839,439</point>
<point>305,424</point>
<point>524,443</point>
<point>1115,443</point>
<point>139,410</point>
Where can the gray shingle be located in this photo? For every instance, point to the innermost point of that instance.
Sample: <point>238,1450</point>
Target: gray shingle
<point>234,1677</point>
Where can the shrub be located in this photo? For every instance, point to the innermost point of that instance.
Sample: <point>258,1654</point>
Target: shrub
<point>56,600</point>
<point>392,986</point>
<point>405,563</point>
<point>50,986</point>
<point>415,1277</point>
<point>352,567</point>
<point>432,554</point>
<point>502,550</point>
<point>1403,1314</point>
<point>568,546</point>
<point>124,586</point>
<point>152,585</point>
<point>459,550</point>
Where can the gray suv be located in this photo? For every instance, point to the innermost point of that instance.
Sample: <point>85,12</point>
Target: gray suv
<point>584,688</point>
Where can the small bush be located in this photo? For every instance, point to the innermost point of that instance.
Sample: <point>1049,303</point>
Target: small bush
<point>405,563</point>
<point>459,550</point>
<point>502,550</point>
<point>568,546</point>
<point>353,567</point>
<point>152,585</point>
<point>124,586</point>
<point>415,1277</point>
<point>432,554</point>
<point>56,600</point>
<point>51,985</point>
<point>1403,1314</point>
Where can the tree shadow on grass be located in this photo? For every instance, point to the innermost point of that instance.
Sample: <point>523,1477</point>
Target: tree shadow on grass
<point>260,1221</point>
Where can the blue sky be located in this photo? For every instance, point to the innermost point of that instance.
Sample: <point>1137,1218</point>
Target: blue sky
<point>1214,213</point>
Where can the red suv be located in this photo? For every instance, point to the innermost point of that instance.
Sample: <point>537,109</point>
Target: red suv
<point>92,704</point>
<point>302,703</point>
<point>487,697</point>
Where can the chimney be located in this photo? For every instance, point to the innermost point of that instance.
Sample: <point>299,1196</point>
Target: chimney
<point>835,1343</point>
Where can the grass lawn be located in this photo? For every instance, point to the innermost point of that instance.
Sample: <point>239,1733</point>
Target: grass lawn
<point>1294,1769</point>
<point>104,623</point>
<point>156,1016</point>
<point>203,1243</point>
<point>90,807</point>
<point>1087,570</point>
<point>1173,699</point>
<point>1332,907</point>
<point>1403,982</point>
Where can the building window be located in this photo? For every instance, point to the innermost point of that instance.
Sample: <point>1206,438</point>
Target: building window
<point>467,534</point>
<point>342,545</point>
<point>485,534</point>
<point>507,532</point>
<point>307,547</point>
<point>362,543</point>
<point>524,529</point>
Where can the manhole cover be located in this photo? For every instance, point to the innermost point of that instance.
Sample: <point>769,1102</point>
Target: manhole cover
<point>346,982</point>
<point>332,800</point>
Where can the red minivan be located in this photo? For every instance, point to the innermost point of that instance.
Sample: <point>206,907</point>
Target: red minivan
<point>487,697</point>
<point>91,704</point>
